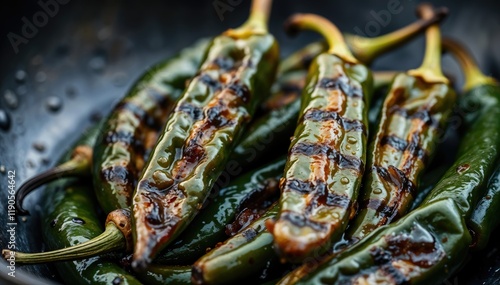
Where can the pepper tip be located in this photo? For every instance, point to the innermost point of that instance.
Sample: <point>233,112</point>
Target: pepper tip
<point>290,25</point>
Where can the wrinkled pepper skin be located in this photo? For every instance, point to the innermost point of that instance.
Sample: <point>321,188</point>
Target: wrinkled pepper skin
<point>240,257</point>
<point>131,128</point>
<point>172,275</point>
<point>432,242</point>
<point>69,217</point>
<point>424,247</point>
<point>484,218</point>
<point>413,114</point>
<point>207,229</point>
<point>198,138</point>
<point>326,157</point>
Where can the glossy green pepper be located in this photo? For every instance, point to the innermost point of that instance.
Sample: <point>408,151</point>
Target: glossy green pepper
<point>414,113</point>
<point>327,153</point>
<point>172,275</point>
<point>131,128</point>
<point>207,229</point>
<point>484,218</point>
<point>240,257</point>
<point>274,128</point>
<point>69,217</point>
<point>198,137</point>
<point>433,241</point>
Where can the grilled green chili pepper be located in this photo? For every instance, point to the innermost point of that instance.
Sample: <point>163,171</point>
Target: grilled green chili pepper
<point>200,134</point>
<point>414,111</point>
<point>205,231</point>
<point>131,128</point>
<point>327,153</point>
<point>77,166</point>
<point>276,126</point>
<point>208,228</point>
<point>484,218</point>
<point>69,218</point>
<point>431,242</point>
<point>239,257</point>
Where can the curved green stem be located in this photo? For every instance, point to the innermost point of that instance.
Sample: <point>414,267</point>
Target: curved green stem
<point>383,78</point>
<point>430,70</point>
<point>111,239</point>
<point>367,49</point>
<point>79,165</point>
<point>257,21</point>
<point>327,29</point>
<point>473,75</point>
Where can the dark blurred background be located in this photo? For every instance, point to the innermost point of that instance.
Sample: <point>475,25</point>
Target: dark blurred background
<point>74,63</point>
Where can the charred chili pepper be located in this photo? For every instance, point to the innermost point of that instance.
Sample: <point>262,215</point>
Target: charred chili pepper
<point>246,254</point>
<point>414,111</point>
<point>131,128</point>
<point>327,153</point>
<point>69,218</point>
<point>432,242</point>
<point>77,166</point>
<point>276,126</point>
<point>207,229</point>
<point>484,218</point>
<point>200,133</point>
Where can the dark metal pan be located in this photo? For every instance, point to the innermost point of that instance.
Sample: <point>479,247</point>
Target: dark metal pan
<point>65,66</point>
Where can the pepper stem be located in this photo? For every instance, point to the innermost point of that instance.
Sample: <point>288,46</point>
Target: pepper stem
<point>430,70</point>
<point>367,49</point>
<point>473,75</point>
<point>257,21</point>
<point>110,240</point>
<point>334,38</point>
<point>383,78</point>
<point>79,165</point>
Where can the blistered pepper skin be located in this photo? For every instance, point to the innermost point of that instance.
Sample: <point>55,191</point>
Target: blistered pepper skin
<point>69,217</point>
<point>207,229</point>
<point>326,157</point>
<point>240,257</point>
<point>413,115</point>
<point>198,138</point>
<point>432,242</point>
<point>130,130</point>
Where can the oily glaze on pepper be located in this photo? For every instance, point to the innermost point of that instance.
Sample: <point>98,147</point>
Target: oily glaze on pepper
<point>432,242</point>
<point>200,134</point>
<point>413,115</point>
<point>132,127</point>
<point>326,156</point>
<point>69,218</point>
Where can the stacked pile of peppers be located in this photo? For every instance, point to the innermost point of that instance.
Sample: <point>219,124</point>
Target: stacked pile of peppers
<point>201,184</point>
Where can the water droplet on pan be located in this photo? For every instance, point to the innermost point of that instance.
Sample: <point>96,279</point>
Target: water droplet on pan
<point>38,146</point>
<point>40,77</point>
<point>97,63</point>
<point>53,103</point>
<point>2,169</point>
<point>71,92</point>
<point>4,120</point>
<point>11,99</point>
<point>22,89</point>
<point>21,76</point>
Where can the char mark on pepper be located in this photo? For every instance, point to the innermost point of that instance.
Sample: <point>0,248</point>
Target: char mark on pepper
<point>316,149</point>
<point>397,178</point>
<point>423,115</point>
<point>341,83</point>
<point>381,207</point>
<point>210,82</point>
<point>317,115</point>
<point>299,220</point>
<point>322,195</point>
<point>193,111</point>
